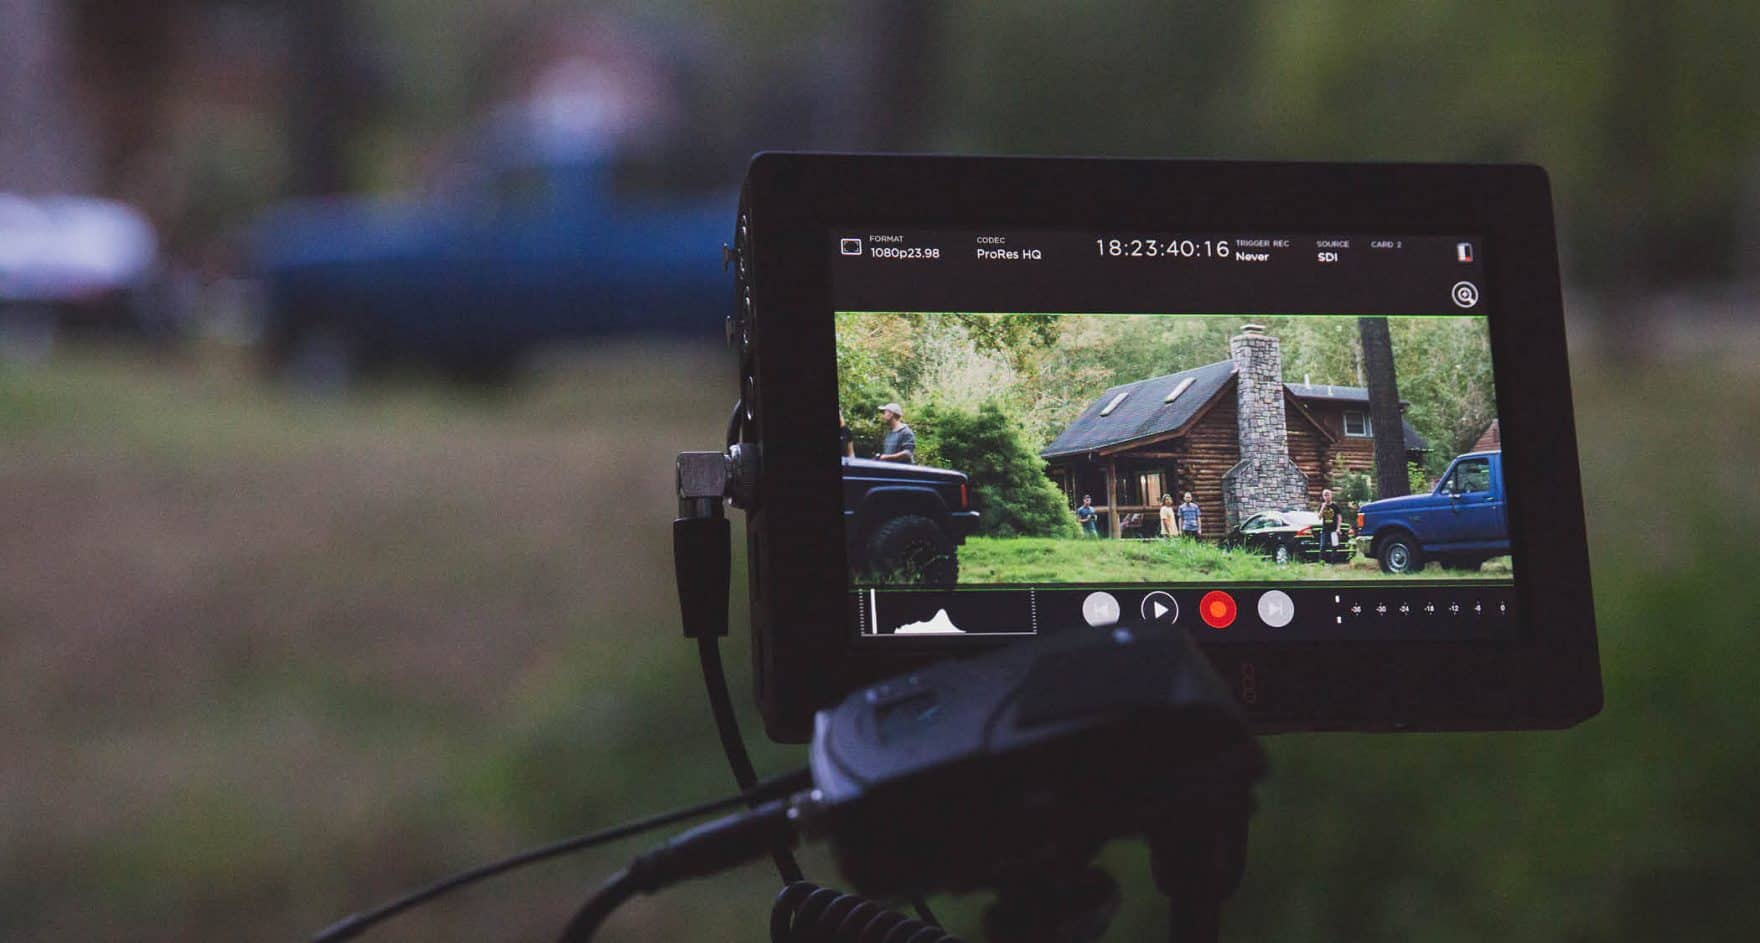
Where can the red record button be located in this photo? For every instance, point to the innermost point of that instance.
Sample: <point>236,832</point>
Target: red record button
<point>1217,609</point>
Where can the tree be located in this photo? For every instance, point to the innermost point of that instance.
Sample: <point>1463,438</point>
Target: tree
<point>1384,413</point>
<point>1009,487</point>
<point>1444,370</point>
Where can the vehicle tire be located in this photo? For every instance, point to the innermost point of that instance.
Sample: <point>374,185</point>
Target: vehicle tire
<point>1463,564</point>
<point>485,372</point>
<point>1400,554</point>
<point>28,334</point>
<point>320,358</point>
<point>912,549</point>
<point>1282,555</point>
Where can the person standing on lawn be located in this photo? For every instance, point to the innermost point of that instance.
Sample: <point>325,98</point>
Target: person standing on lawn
<point>1168,528</point>
<point>1191,519</point>
<point>1085,516</point>
<point>900,443</point>
<point>1330,514</point>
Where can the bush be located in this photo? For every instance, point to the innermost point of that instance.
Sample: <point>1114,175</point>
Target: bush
<point>1417,480</point>
<point>1009,487</point>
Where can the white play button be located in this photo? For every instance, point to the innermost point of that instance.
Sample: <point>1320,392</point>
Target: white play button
<point>1159,607</point>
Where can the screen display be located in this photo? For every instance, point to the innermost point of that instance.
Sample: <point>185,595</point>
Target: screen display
<point>1254,436</point>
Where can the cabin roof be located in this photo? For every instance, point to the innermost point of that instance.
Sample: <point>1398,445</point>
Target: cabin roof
<point>1144,412</point>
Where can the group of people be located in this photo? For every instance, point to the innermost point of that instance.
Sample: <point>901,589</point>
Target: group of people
<point>1186,520</point>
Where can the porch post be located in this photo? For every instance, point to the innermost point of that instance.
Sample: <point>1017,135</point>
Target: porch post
<point>1112,498</point>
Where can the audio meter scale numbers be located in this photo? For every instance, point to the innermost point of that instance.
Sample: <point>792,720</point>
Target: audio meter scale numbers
<point>1420,611</point>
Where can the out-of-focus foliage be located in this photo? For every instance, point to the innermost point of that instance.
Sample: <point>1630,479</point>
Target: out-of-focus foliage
<point>1644,113</point>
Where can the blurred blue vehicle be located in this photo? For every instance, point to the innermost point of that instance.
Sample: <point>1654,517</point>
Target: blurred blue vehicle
<point>545,242</point>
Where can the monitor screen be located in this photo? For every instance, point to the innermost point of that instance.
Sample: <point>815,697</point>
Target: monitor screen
<point>1256,436</point>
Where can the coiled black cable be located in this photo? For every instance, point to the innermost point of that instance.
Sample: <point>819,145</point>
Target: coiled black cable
<point>804,912</point>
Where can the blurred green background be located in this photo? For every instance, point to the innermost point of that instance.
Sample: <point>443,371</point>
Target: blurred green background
<point>267,658</point>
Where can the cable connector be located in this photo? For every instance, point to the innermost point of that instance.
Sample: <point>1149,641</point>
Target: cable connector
<point>702,551</point>
<point>702,483</point>
<point>707,849</point>
<point>716,846</point>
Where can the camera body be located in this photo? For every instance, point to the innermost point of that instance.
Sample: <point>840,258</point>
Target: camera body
<point>1084,394</point>
<point>968,773</point>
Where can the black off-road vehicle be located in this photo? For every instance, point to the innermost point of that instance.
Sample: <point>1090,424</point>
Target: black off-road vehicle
<point>904,523</point>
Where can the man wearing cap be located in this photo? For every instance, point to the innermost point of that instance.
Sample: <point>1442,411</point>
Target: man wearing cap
<point>900,444</point>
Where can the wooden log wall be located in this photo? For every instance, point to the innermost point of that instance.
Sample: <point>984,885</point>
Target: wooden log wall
<point>1210,449</point>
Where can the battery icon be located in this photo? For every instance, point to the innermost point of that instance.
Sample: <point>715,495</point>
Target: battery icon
<point>1463,251</point>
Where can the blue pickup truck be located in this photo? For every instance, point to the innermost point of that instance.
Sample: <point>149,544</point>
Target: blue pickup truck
<point>540,244</point>
<point>1461,524</point>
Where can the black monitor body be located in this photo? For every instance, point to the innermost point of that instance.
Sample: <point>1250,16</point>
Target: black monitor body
<point>1537,669</point>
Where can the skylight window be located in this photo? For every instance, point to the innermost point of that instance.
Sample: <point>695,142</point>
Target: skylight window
<point>1114,404</point>
<point>1181,388</point>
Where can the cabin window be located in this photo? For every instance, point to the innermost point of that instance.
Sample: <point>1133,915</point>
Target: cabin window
<point>1184,385</point>
<point>1114,404</point>
<point>1357,425</point>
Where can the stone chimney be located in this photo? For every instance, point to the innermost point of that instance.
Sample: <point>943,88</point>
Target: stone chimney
<point>1265,479</point>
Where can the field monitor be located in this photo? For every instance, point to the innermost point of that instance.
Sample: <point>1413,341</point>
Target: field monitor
<point>1316,415</point>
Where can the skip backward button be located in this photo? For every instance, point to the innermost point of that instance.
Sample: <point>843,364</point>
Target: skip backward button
<point>1159,607</point>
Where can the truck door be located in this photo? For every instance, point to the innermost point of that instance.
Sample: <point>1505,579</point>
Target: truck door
<point>1475,505</point>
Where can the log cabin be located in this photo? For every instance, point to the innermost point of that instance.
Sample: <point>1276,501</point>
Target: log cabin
<point>1491,440</point>
<point>1232,432</point>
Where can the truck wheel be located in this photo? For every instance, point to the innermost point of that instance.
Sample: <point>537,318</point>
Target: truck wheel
<point>322,359</point>
<point>912,549</point>
<point>27,334</point>
<point>1281,555</point>
<point>1399,554</point>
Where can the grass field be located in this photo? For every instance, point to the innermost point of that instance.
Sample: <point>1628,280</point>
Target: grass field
<point>1050,560</point>
<point>268,659</point>
<point>264,661</point>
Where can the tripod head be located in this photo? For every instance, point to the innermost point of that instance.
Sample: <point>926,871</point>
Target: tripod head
<point>1009,771</point>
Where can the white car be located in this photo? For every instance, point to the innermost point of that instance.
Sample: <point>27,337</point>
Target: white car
<point>71,261</point>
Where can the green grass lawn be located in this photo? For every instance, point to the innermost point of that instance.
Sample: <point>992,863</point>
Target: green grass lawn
<point>268,659</point>
<point>1052,560</point>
